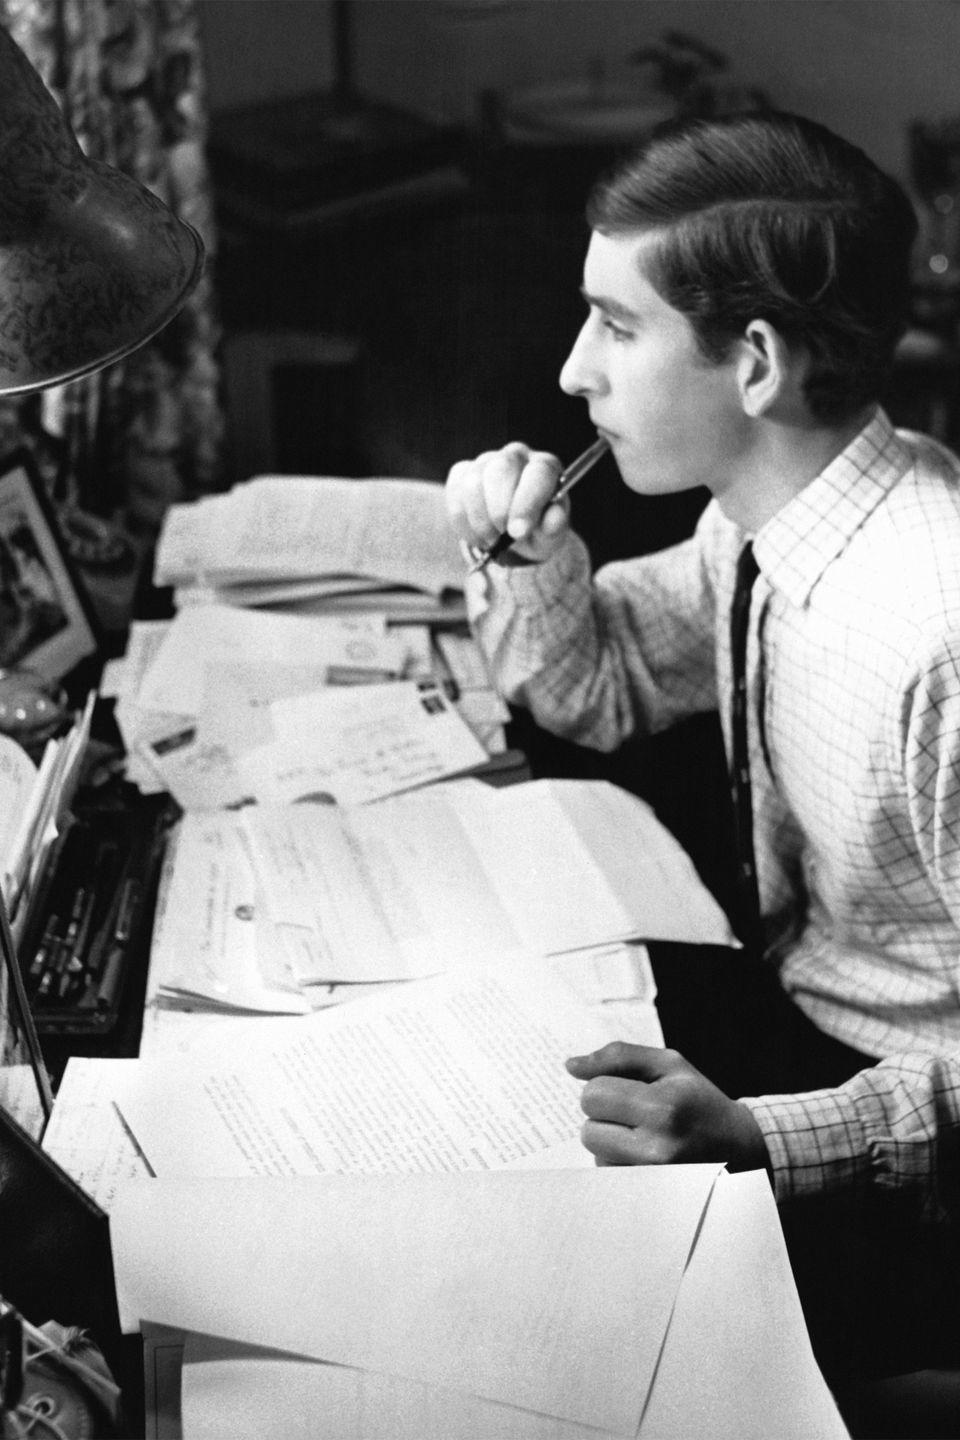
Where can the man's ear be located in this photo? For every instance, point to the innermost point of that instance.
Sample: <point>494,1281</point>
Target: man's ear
<point>765,369</point>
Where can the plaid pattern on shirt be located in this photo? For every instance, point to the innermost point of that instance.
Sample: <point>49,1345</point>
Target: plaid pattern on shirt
<point>854,666</point>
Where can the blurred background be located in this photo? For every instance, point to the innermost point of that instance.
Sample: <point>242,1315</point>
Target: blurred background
<point>441,275</point>
<point>391,195</point>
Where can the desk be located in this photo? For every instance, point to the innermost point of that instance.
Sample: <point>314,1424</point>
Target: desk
<point>573,1131</point>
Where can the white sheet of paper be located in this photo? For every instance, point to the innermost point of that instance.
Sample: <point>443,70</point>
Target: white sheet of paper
<point>457,1073</point>
<point>384,892</point>
<point>230,1391</point>
<point>203,634</point>
<point>466,661</point>
<point>171,1029</point>
<point>736,1364</point>
<point>18,777</point>
<point>290,526</point>
<point>417,646</point>
<point>139,728</point>
<point>486,714</point>
<point>235,710</point>
<point>610,848</point>
<point>85,1134</point>
<point>187,534</point>
<point>210,937</point>
<point>291,594</point>
<point>200,774</point>
<point>621,971</point>
<point>551,1292</point>
<point>420,883</point>
<point>122,679</point>
<point>359,743</point>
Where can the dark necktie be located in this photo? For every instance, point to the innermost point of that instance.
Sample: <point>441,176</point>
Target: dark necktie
<point>747,571</point>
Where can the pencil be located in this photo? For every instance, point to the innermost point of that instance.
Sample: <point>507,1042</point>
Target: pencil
<point>575,471</point>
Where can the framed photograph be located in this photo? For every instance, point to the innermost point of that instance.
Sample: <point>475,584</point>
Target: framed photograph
<point>46,620</point>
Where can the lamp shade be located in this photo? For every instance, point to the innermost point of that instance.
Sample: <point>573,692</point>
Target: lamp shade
<point>92,264</point>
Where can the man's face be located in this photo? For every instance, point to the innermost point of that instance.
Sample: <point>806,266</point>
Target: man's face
<point>674,419</point>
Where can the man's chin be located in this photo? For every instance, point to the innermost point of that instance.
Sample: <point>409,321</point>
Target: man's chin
<point>643,480</point>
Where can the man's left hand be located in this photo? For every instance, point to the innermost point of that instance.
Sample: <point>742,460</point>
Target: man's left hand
<point>647,1106</point>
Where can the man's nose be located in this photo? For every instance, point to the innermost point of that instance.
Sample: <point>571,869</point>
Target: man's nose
<point>580,374</point>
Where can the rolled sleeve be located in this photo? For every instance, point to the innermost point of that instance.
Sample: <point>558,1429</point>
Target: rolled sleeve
<point>598,658</point>
<point>893,1126</point>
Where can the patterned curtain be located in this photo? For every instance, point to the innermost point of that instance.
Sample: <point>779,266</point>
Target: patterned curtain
<point>129,441</point>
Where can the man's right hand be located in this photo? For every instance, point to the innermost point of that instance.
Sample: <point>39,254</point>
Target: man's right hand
<point>508,490</point>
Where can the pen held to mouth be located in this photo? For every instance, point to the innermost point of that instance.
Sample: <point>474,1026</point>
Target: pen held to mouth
<point>574,472</point>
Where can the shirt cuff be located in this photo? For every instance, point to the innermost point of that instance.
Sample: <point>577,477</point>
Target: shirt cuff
<point>816,1142</point>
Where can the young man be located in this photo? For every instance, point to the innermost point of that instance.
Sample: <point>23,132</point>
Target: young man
<point>746,283</point>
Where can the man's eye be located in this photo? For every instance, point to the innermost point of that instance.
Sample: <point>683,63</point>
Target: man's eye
<point>617,331</point>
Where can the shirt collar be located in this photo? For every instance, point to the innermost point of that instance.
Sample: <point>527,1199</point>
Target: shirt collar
<point>797,544</point>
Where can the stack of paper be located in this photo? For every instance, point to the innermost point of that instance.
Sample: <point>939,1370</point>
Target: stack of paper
<point>462,1072</point>
<point>34,804</point>
<point>379,1224</point>
<point>549,1294</point>
<point>499,1039</point>
<point>266,907</point>
<point>316,541</point>
<point>596,1291</point>
<point>233,700</point>
<point>223,705</point>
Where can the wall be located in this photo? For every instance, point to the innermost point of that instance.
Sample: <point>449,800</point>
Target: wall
<point>865,67</point>
<point>261,49</point>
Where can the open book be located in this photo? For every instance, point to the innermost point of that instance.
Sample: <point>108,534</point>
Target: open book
<point>315,541</point>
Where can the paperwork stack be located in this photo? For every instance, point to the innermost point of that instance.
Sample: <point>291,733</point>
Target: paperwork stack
<point>314,543</point>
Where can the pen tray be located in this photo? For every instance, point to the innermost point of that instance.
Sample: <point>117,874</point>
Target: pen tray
<point>91,916</point>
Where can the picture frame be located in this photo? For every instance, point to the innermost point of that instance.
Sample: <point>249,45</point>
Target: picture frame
<point>47,623</point>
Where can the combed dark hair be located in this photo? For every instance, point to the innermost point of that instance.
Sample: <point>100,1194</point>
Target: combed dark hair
<point>771,216</point>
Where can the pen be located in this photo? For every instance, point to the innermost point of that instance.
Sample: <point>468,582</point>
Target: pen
<point>575,471</point>
<point>122,931</point>
<point>38,965</point>
<point>71,977</point>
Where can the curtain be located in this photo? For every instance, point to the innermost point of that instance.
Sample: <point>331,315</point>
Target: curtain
<point>148,431</point>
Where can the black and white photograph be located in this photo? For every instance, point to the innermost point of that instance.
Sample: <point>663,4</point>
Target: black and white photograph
<point>483,481</point>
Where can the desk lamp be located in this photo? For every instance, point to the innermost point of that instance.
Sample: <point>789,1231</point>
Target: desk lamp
<point>92,265</point>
